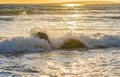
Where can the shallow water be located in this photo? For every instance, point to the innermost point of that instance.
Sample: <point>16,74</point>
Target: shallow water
<point>63,63</point>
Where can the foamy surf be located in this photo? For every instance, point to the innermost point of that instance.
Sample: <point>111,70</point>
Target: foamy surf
<point>35,44</point>
<point>21,44</point>
<point>92,41</point>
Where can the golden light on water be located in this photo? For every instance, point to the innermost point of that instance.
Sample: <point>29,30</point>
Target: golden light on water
<point>72,5</point>
<point>75,15</point>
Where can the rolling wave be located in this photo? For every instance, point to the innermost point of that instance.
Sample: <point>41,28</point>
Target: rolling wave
<point>21,44</point>
<point>35,44</point>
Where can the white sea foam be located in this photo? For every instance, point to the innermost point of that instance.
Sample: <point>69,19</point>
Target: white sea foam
<point>35,44</point>
<point>91,41</point>
<point>101,41</point>
<point>19,44</point>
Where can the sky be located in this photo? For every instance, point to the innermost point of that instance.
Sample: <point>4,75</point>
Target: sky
<point>45,1</point>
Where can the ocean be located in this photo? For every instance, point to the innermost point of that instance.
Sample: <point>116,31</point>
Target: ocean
<point>97,27</point>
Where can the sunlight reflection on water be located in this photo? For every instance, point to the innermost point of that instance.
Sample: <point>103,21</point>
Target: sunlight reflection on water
<point>61,63</point>
<point>72,5</point>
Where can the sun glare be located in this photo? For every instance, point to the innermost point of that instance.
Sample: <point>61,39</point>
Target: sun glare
<point>72,5</point>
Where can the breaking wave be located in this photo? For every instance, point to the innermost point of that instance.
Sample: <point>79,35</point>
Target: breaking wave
<point>35,44</point>
<point>21,44</point>
<point>91,41</point>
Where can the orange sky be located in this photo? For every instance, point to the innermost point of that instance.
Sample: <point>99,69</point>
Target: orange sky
<point>44,1</point>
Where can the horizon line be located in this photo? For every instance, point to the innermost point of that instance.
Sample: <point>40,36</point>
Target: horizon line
<point>74,2</point>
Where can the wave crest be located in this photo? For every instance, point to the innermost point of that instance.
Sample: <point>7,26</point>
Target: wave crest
<point>36,44</point>
<point>20,44</point>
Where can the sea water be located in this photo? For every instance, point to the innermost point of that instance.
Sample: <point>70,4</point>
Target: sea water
<point>24,55</point>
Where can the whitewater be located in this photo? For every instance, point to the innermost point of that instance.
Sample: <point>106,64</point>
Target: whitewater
<point>23,54</point>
